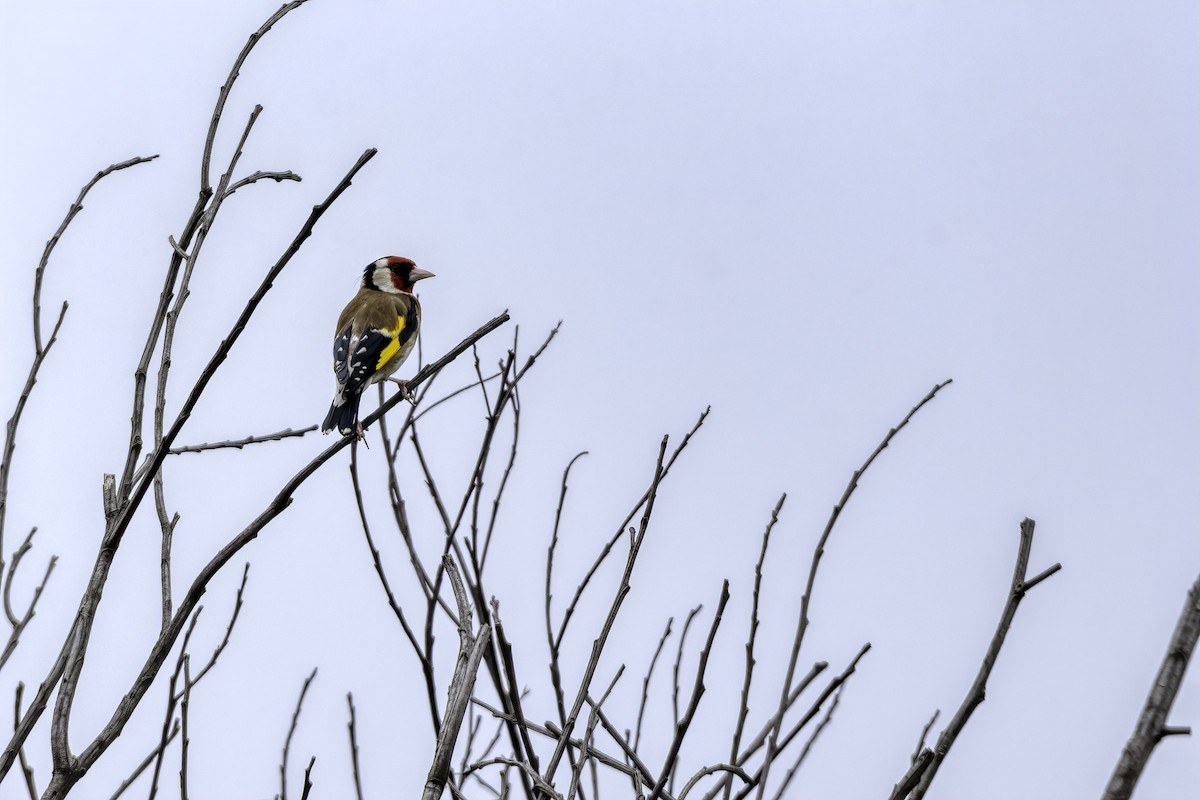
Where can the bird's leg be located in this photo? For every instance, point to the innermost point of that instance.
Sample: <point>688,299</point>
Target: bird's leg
<point>407,395</point>
<point>360,433</point>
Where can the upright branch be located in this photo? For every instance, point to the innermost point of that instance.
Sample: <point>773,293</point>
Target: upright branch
<point>287,743</point>
<point>1020,585</point>
<point>744,706</point>
<point>471,648</point>
<point>40,351</point>
<point>635,546</point>
<point>805,599</point>
<point>1152,724</point>
<point>683,723</point>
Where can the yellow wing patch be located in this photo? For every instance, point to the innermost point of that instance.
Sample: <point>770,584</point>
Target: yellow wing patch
<point>393,346</point>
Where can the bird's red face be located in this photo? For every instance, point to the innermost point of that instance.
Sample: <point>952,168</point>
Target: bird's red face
<point>394,274</point>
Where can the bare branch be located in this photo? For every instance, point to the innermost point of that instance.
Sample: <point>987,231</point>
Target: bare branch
<point>183,716</point>
<point>308,784</point>
<point>555,670</point>
<point>760,776</point>
<point>744,706</point>
<point>233,618</point>
<point>223,94</point>
<point>583,584</point>
<point>818,551</point>
<point>589,735</point>
<point>426,667</point>
<point>682,725</point>
<point>287,743</point>
<point>286,433</point>
<point>19,624</point>
<point>622,590</point>
<point>1152,723</point>
<point>924,734</point>
<point>278,177</point>
<point>352,729</point>
<point>146,762</point>
<point>662,640</point>
<point>470,652</point>
<point>978,688</point>
<point>40,351</point>
<point>921,762</point>
<point>730,768</point>
<point>26,770</point>
<point>799,762</point>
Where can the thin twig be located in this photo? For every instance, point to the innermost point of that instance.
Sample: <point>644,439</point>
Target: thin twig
<point>635,545</point>
<point>26,769</point>
<point>920,748</point>
<point>744,706</point>
<point>19,624</point>
<point>287,743</point>
<point>183,716</point>
<point>682,725</point>
<point>352,729</point>
<point>662,640</point>
<point>146,762</point>
<point>799,762</point>
<point>583,584</point>
<point>40,350</point>
<point>555,670</point>
<point>286,433</point>
<point>589,734</point>
<point>818,551</point>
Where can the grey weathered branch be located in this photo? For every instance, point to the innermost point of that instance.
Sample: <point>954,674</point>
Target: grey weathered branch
<point>978,689</point>
<point>471,648</point>
<point>1152,723</point>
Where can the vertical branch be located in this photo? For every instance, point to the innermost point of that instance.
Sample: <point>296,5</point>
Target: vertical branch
<point>287,743</point>
<point>682,725</point>
<point>744,706</point>
<point>555,671</point>
<point>352,728</point>
<point>1152,724</point>
<point>637,736</point>
<point>26,770</point>
<point>470,652</point>
<point>183,716</point>
<point>635,546</point>
<point>978,688</point>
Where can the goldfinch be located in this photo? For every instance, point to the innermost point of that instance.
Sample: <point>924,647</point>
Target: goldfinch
<point>375,333</point>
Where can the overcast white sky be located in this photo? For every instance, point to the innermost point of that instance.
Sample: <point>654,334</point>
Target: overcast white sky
<point>804,214</point>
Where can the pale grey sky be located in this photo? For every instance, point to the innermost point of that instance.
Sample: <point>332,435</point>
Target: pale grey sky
<point>803,214</point>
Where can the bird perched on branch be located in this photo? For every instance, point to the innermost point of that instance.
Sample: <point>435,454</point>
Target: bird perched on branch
<point>375,333</point>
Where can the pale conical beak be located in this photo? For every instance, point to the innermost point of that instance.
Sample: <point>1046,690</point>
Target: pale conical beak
<point>416,274</point>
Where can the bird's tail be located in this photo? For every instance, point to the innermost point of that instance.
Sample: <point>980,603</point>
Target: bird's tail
<point>343,414</point>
